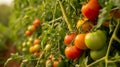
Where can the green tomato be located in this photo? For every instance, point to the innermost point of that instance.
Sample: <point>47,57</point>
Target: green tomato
<point>47,47</point>
<point>97,54</point>
<point>61,64</point>
<point>24,44</point>
<point>95,40</point>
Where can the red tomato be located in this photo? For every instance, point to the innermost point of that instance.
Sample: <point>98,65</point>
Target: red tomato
<point>36,41</point>
<point>91,9</point>
<point>73,52</point>
<point>28,33</point>
<point>36,22</point>
<point>79,41</point>
<point>68,38</point>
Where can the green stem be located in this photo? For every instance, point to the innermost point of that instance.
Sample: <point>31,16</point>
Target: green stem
<point>117,39</point>
<point>96,62</point>
<point>110,43</point>
<point>37,65</point>
<point>65,16</point>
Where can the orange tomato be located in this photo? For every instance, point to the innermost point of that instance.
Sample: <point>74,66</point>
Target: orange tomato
<point>32,50</point>
<point>36,41</point>
<point>85,25</point>
<point>36,22</point>
<point>55,63</point>
<point>28,33</point>
<point>80,42</point>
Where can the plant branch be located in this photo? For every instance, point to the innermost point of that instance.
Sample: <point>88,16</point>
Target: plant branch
<point>65,16</point>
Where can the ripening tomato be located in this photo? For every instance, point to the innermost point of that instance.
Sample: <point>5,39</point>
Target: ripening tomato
<point>73,52</point>
<point>55,63</point>
<point>49,63</point>
<point>28,33</point>
<point>91,9</point>
<point>37,53</point>
<point>80,42</point>
<point>36,22</point>
<point>36,41</point>
<point>84,24</point>
<point>95,40</point>
<point>32,27</point>
<point>36,47</point>
<point>115,13</point>
<point>32,50</point>
<point>69,38</point>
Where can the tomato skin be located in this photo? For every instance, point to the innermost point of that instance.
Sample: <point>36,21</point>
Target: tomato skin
<point>73,52</point>
<point>32,28</point>
<point>32,50</point>
<point>48,47</point>
<point>55,63</point>
<point>79,42</point>
<point>36,47</point>
<point>95,40</point>
<point>36,41</point>
<point>68,38</point>
<point>49,63</point>
<point>91,9</point>
<point>97,54</point>
<point>61,63</point>
<point>28,33</point>
<point>85,25</point>
<point>36,22</point>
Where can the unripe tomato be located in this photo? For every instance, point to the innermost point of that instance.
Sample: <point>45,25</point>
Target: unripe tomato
<point>95,40</point>
<point>28,33</point>
<point>97,54</point>
<point>80,41</point>
<point>61,63</point>
<point>48,47</point>
<point>73,52</point>
<point>36,41</point>
<point>32,50</point>
<point>36,22</point>
<point>68,38</point>
<point>91,9</point>
<point>24,44</point>
<point>36,47</point>
<point>84,25</point>
<point>32,28</point>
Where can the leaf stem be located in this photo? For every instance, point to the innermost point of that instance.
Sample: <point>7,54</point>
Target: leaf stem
<point>65,16</point>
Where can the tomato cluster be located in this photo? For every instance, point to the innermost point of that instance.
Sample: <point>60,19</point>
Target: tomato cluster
<point>31,28</point>
<point>55,62</point>
<point>86,38</point>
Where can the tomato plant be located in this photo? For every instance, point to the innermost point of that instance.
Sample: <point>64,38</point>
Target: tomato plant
<point>50,24</point>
